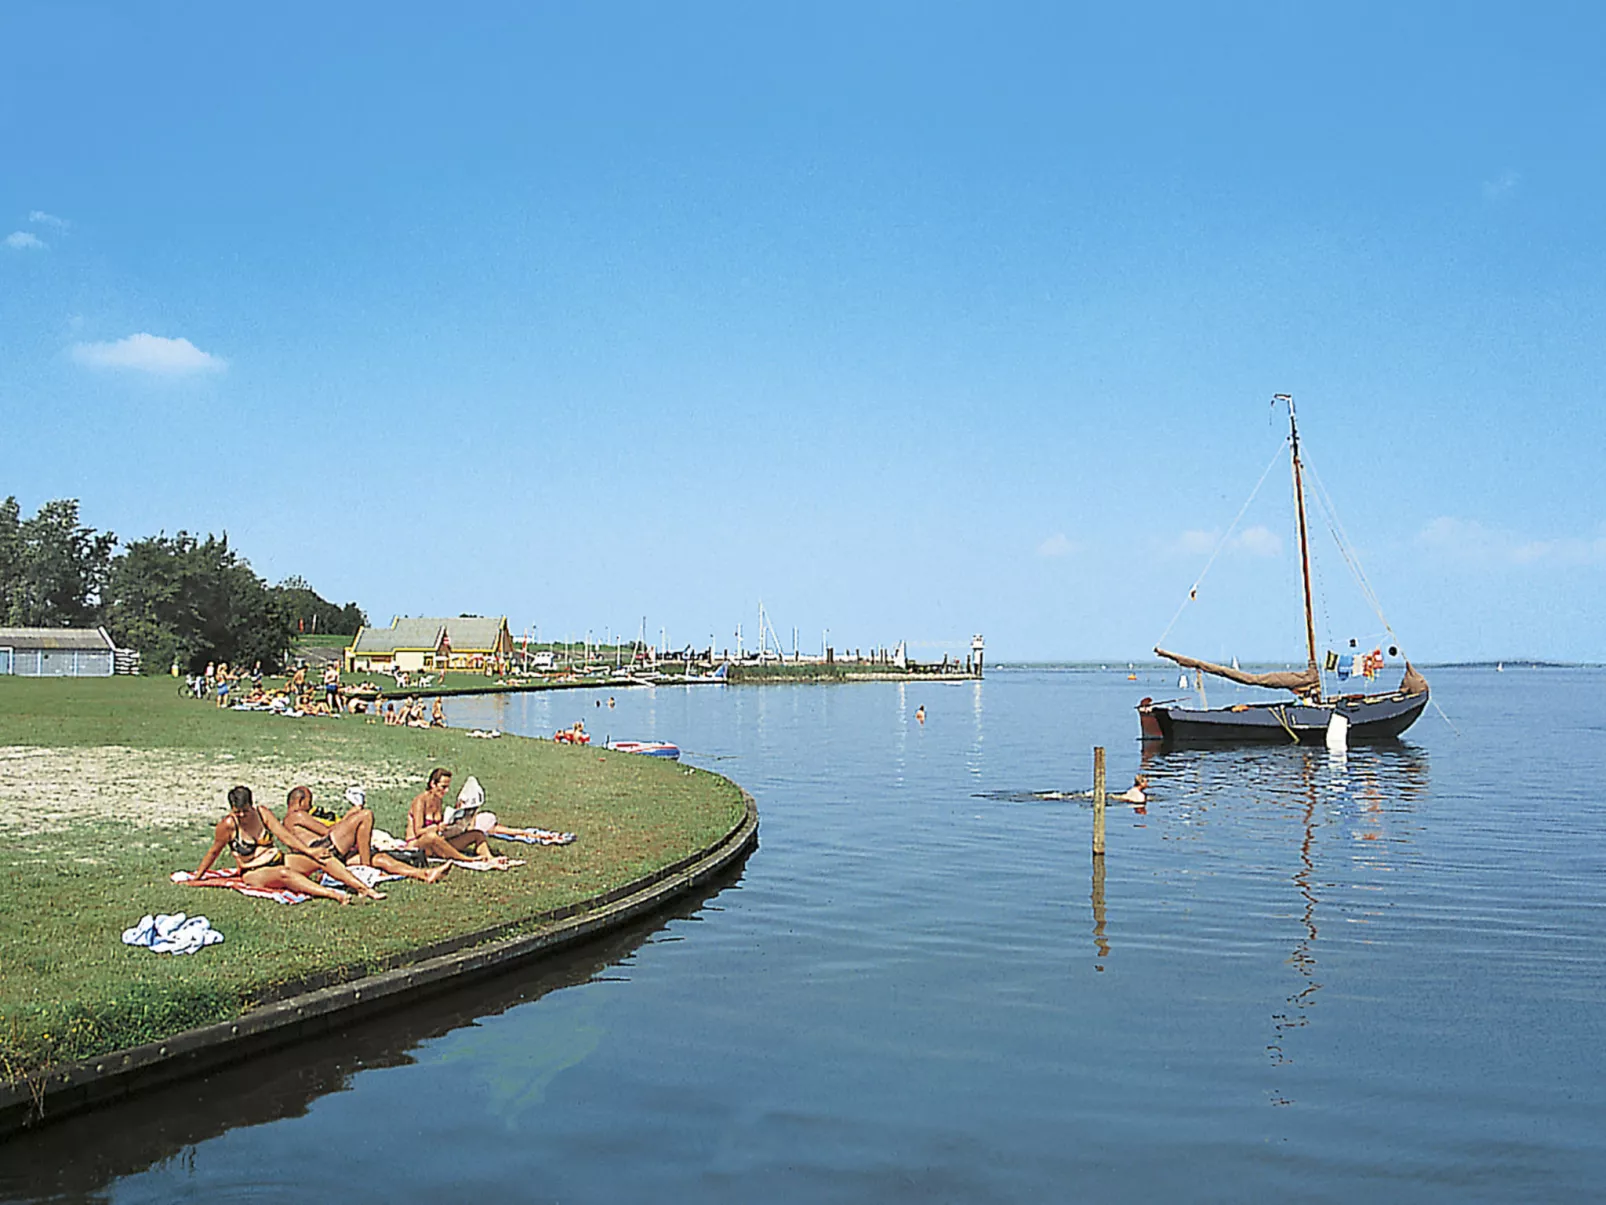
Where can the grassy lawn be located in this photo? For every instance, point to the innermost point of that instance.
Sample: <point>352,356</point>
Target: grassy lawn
<point>108,785</point>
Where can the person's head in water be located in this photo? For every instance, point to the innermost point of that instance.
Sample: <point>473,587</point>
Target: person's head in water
<point>239,799</point>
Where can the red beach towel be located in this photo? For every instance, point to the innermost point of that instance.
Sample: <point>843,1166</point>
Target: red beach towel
<point>232,879</point>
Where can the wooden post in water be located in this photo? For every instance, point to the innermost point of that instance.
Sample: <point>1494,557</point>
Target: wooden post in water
<point>1098,801</point>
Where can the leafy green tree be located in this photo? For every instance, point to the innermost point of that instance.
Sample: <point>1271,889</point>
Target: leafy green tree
<point>52,567</point>
<point>311,612</point>
<point>179,598</point>
<point>10,555</point>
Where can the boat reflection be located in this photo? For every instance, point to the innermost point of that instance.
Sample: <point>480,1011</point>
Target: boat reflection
<point>1364,795</point>
<point>80,1156</point>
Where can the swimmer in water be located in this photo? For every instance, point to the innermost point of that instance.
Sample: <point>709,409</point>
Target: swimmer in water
<point>1137,793</point>
<point>920,713</point>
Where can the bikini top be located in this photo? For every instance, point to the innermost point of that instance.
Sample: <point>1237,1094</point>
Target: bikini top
<point>245,846</point>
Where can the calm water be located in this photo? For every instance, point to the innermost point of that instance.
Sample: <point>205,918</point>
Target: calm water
<point>1300,976</point>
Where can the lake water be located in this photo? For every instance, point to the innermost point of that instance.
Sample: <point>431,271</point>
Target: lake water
<point>1299,976</point>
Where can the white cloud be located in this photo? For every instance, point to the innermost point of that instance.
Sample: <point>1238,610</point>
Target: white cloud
<point>1057,545</point>
<point>1257,541</point>
<point>1501,187</point>
<point>1252,541</point>
<point>149,353</point>
<point>21,240</point>
<point>1471,542</point>
<point>40,218</point>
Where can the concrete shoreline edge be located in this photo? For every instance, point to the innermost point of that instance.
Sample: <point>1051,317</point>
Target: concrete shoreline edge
<point>316,1008</point>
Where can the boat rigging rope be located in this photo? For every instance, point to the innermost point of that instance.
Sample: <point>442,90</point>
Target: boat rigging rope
<point>1330,514</point>
<point>1193,591</point>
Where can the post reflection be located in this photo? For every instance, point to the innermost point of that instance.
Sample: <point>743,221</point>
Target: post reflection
<point>1100,943</point>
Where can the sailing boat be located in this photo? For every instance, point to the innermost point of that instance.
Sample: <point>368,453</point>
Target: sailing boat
<point>1312,711</point>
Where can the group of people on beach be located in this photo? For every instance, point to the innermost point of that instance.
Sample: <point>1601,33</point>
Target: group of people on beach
<point>219,681</point>
<point>299,697</point>
<point>297,852</point>
<point>411,714</point>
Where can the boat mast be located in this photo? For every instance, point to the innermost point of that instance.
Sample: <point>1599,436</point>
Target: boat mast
<point>1304,538</point>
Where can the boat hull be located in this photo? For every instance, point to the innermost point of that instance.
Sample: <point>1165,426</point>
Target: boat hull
<point>1373,717</point>
<point>647,749</point>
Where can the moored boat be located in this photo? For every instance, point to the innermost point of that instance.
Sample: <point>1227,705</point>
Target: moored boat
<point>647,748</point>
<point>1313,712</point>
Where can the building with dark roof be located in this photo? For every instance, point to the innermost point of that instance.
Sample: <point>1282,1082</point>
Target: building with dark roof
<point>57,652</point>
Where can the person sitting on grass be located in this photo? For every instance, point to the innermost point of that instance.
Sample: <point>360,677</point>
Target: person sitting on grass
<point>350,836</point>
<point>473,796</point>
<point>437,714</point>
<point>426,830</point>
<point>249,831</point>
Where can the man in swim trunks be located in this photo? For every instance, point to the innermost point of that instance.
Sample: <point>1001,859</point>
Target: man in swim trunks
<point>350,836</point>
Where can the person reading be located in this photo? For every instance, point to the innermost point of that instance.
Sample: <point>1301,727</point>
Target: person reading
<point>428,830</point>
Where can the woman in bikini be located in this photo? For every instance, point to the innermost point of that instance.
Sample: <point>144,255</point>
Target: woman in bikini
<point>426,831</point>
<point>249,832</point>
<point>351,835</point>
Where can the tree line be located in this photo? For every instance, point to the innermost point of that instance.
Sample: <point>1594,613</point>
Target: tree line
<point>179,598</point>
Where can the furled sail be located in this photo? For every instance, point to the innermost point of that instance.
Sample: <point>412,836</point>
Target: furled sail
<point>1413,683</point>
<point>1299,681</point>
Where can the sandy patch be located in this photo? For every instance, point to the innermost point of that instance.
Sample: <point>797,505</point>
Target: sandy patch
<point>52,790</point>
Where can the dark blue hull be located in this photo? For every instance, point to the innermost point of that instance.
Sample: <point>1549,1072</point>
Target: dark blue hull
<point>1374,717</point>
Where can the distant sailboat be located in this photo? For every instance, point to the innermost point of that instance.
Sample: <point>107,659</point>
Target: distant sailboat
<point>1311,712</point>
<point>1499,667</point>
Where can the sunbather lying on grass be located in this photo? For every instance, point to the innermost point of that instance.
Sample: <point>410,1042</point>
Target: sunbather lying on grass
<point>350,836</point>
<point>249,831</point>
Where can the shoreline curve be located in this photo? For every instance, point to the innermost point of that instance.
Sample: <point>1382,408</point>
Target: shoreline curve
<point>70,1088</point>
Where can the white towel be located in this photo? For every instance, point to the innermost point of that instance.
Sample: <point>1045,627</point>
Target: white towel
<point>172,934</point>
<point>366,875</point>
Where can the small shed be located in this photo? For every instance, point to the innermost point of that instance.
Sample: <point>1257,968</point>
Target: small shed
<point>57,652</point>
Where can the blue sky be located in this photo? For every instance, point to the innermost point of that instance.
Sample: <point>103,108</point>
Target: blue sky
<point>911,320</point>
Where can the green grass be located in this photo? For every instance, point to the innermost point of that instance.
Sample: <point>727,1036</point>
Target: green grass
<point>70,989</point>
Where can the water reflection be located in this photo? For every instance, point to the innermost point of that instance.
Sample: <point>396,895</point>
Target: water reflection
<point>80,1156</point>
<point>1100,942</point>
<point>1359,793</point>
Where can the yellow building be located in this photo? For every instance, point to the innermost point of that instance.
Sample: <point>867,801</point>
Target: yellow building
<point>468,642</point>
